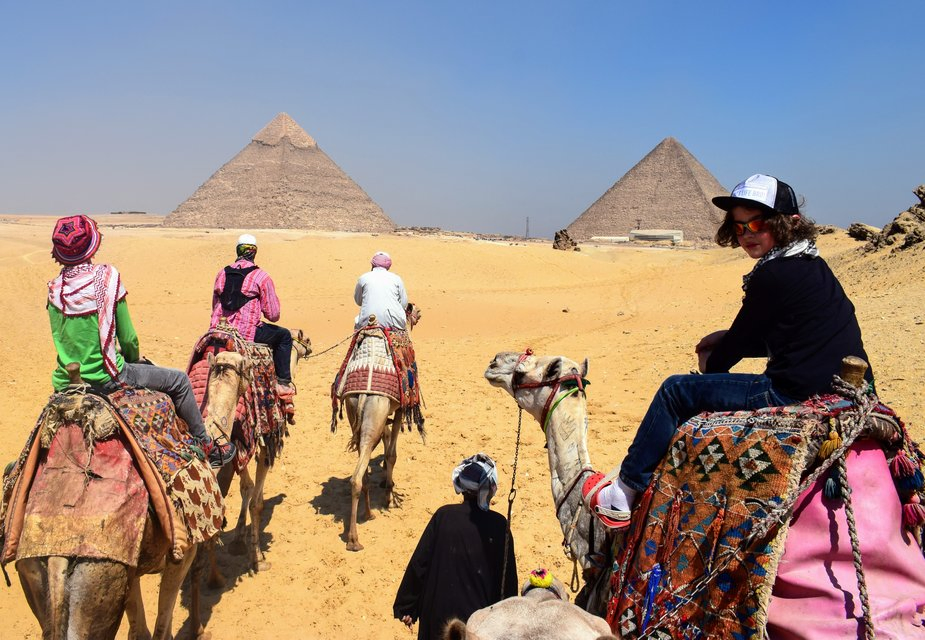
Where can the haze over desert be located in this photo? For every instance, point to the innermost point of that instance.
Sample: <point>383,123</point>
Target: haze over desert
<point>635,312</point>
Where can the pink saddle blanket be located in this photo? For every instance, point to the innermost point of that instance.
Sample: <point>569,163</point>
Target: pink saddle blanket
<point>816,592</point>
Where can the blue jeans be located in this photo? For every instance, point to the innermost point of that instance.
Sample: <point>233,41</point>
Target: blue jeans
<point>682,397</point>
<point>280,341</point>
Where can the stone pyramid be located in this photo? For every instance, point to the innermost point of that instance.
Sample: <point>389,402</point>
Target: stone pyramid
<point>281,180</point>
<point>668,189</point>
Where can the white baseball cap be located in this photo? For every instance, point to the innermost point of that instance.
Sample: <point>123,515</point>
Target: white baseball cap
<point>762,192</point>
<point>246,238</point>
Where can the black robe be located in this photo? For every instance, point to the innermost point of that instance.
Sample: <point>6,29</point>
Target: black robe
<point>456,568</point>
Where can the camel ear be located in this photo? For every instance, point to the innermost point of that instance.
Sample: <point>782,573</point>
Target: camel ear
<point>210,358</point>
<point>455,630</point>
<point>584,368</point>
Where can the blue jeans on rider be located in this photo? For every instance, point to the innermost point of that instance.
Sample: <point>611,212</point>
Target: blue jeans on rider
<point>280,341</point>
<point>682,397</point>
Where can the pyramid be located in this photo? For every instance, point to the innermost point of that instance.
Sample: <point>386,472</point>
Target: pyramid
<point>281,180</point>
<point>668,189</point>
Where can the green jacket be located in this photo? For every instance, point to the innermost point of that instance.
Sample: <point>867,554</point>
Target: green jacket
<point>77,339</point>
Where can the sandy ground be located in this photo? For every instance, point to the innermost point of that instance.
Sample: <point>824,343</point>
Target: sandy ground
<point>635,313</point>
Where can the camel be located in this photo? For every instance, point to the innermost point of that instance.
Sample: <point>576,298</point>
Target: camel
<point>83,598</point>
<point>536,613</point>
<point>373,418</point>
<point>229,376</point>
<point>807,592</point>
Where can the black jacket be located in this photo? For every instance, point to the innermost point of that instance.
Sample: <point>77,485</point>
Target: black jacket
<point>797,315</point>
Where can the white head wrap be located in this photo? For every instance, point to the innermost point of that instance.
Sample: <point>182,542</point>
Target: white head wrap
<point>477,475</point>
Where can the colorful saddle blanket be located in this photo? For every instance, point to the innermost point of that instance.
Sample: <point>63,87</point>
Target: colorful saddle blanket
<point>73,490</point>
<point>380,361</point>
<point>697,565</point>
<point>260,412</point>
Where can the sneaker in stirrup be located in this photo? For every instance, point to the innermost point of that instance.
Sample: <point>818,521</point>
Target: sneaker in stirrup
<point>221,454</point>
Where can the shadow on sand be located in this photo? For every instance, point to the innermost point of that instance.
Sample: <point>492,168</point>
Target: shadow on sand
<point>233,567</point>
<point>334,499</point>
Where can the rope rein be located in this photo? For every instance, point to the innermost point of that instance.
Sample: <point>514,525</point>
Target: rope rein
<point>510,501</point>
<point>315,355</point>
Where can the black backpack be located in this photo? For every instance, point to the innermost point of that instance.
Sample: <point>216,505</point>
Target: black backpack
<point>231,297</point>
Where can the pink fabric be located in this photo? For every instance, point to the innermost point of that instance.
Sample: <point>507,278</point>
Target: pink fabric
<point>816,595</point>
<point>246,319</point>
<point>381,259</point>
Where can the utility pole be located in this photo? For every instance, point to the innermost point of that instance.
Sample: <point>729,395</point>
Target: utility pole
<point>527,234</point>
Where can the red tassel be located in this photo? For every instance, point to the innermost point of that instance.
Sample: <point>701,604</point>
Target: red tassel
<point>902,466</point>
<point>913,514</point>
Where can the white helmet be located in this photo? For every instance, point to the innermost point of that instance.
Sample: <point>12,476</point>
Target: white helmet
<point>246,238</point>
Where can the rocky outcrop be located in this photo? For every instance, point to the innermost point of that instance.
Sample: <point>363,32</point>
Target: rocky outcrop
<point>906,230</point>
<point>863,232</point>
<point>564,242</point>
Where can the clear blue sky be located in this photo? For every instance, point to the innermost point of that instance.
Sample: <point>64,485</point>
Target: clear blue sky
<point>465,115</point>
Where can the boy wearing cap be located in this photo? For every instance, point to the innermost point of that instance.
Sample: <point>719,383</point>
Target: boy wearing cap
<point>88,315</point>
<point>244,292</point>
<point>794,313</point>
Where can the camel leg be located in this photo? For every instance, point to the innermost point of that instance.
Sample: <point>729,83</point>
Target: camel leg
<point>358,487</point>
<point>258,560</point>
<point>135,612</point>
<point>33,575</point>
<point>95,612</point>
<point>391,457</point>
<point>215,580</point>
<point>238,545</point>
<point>171,581</point>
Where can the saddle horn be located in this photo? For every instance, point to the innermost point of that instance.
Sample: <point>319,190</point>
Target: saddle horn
<point>853,370</point>
<point>73,373</point>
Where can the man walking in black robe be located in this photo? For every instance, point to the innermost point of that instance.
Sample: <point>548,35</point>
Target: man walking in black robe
<point>457,566</point>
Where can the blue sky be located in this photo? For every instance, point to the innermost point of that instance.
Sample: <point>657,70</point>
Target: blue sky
<point>464,115</point>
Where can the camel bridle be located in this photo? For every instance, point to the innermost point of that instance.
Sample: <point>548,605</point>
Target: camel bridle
<point>573,383</point>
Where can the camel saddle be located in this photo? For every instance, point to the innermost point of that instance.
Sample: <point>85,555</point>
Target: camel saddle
<point>89,470</point>
<point>261,412</point>
<point>706,546</point>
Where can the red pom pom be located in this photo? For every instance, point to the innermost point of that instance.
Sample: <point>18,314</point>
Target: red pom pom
<point>913,514</point>
<point>902,466</point>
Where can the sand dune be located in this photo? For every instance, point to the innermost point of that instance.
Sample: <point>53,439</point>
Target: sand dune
<point>635,313</point>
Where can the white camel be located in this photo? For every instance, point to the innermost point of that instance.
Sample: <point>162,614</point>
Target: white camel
<point>538,612</point>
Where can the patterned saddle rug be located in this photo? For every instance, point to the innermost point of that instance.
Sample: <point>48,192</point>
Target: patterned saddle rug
<point>91,465</point>
<point>380,361</point>
<point>260,412</point>
<point>702,561</point>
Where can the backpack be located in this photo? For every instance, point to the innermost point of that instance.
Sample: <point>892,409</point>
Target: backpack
<point>231,297</point>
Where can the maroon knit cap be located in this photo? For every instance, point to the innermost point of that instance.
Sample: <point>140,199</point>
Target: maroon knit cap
<point>74,240</point>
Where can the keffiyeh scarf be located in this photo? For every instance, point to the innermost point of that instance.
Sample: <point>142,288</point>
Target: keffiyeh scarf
<point>799,248</point>
<point>87,288</point>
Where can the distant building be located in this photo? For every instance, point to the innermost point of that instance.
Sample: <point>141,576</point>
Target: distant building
<point>281,180</point>
<point>668,189</point>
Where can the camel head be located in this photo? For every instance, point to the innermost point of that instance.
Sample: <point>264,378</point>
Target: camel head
<point>301,348</point>
<point>229,374</point>
<point>529,378</point>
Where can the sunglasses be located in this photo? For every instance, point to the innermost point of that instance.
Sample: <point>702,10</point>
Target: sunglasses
<point>755,226</point>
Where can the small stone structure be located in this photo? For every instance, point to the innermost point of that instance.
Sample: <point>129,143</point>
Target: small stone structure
<point>563,242</point>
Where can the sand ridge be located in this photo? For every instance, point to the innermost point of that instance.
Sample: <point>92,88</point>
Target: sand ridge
<point>635,313</point>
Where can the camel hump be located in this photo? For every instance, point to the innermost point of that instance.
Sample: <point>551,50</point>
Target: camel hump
<point>73,373</point>
<point>455,630</point>
<point>853,370</point>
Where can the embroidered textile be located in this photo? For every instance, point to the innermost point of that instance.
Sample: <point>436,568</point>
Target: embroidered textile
<point>688,568</point>
<point>380,361</point>
<point>260,412</point>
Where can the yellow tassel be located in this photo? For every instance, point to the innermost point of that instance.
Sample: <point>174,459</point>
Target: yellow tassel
<point>829,446</point>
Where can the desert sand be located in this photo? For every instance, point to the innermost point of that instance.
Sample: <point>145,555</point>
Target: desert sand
<point>636,313</point>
